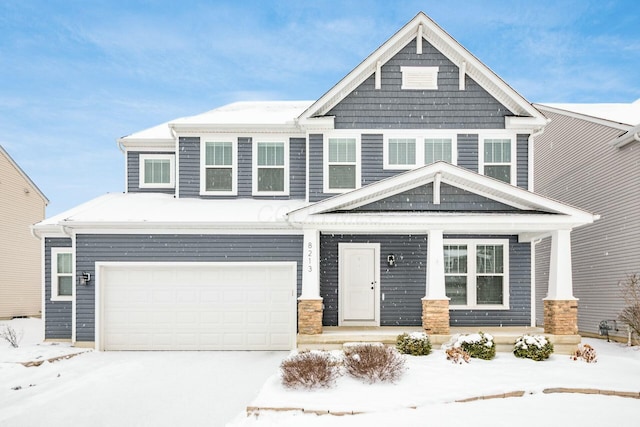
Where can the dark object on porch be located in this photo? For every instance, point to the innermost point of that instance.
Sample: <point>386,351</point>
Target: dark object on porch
<point>606,326</point>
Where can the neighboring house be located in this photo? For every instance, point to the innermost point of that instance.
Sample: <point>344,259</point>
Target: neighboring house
<point>22,204</point>
<point>398,198</point>
<point>589,156</point>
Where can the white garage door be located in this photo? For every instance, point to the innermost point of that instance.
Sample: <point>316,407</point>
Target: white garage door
<point>197,306</point>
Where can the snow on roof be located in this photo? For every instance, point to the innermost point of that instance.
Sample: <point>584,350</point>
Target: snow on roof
<point>625,113</point>
<point>255,112</point>
<point>153,208</point>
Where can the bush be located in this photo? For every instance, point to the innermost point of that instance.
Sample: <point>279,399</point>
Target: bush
<point>586,353</point>
<point>373,363</point>
<point>631,293</point>
<point>535,347</point>
<point>415,344</point>
<point>309,369</point>
<point>457,355</point>
<point>479,346</point>
<point>11,336</point>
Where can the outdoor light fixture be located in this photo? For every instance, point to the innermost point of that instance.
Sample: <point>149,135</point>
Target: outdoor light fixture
<point>85,278</point>
<point>391,260</point>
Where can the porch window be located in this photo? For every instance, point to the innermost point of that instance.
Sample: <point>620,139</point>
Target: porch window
<point>497,159</point>
<point>341,164</point>
<point>437,149</point>
<point>61,274</point>
<point>270,168</point>
<point>157,171</point>
<point>476,273</point>
<point>219,167</point>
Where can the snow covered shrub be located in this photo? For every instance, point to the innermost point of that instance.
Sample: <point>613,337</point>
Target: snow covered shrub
<point>457,355</point>
<point>11,336</point>
<point>631,294</point>
<point>534,347</point>
<point>309,369</point>
<point>415,343</point>
<point>373,363</point>
<point>586,353</point>
<point>480,345</point>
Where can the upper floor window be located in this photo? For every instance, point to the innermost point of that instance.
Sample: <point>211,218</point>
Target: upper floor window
<point>477,273</point>
<point>157,171</point>
<point>219,168</point>
<point>271,168</point>
<point>341,168</point>
<point>418,150</point>
<point>61,274</point>
<point>498,159</point>
<point>437,149</point>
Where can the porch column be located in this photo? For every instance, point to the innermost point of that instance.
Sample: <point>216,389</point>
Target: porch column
<point>435,304</point>
<point>310,302</point>
<point>560,306</point>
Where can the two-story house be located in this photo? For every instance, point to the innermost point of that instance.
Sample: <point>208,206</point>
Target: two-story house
<point>398,198</point>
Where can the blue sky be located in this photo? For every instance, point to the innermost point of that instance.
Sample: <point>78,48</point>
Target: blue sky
<point>76,75</point>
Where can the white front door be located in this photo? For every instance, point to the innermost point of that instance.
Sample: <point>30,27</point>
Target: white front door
<point>359,277</point>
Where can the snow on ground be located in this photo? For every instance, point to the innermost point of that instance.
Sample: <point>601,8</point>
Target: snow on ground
<point>214,388</point>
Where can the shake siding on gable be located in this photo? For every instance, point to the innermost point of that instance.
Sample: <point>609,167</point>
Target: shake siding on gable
<point>174,248</point>
<point>372,158</point>
<point>58,313</point>
<point>133,174</point>
<point>576,165</point>
<point>402,287</point>
<point>394,108</point>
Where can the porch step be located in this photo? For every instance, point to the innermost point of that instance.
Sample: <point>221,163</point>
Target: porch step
<point>334,338</point>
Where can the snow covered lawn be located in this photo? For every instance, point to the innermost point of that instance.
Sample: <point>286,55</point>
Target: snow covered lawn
<point>214,388</point>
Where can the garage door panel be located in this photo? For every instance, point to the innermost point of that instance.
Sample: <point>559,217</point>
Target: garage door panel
<point>198,307</point>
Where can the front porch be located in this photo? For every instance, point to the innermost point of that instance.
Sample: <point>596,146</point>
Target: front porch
<point>334,337</point>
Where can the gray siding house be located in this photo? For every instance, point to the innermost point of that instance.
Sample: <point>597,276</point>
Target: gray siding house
<point>401,197</point>
<point>589,156</point>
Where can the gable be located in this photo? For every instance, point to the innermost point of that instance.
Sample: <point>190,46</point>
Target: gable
<point>392,107</point>
<point>452,199</point>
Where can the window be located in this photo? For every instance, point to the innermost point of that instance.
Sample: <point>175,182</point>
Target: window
<point>476,273</point>
<point>219,171</point>
<point>420,78</point>
<point>157,171</point>
<point>497,159</point>
<point>402,151</point>
<point>61,274</point>
<point>437,149</point>
<point>409,150</point>
<point>341,172</point>
<point>271,174</point>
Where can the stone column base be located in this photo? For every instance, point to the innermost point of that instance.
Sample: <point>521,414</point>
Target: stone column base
<point>561,317</point>
<point>310,316</point>
<point>435,316</point>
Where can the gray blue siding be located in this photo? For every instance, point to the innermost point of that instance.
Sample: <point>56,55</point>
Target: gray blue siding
<point>451,199</point>
<point>244,167</point>
<point>468,151</point>
<point>133,174</point>
<point>315,168</point>
<point>58,314</point>
<point>402,287</point>
<point>393,108</point>
<point>189,166</point>
<point>173,248</point>
<point>522,161</point>
<point>372,159</point>
<point>298,168</point>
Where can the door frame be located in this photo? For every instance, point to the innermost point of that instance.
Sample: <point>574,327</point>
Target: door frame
<point>342,283</point>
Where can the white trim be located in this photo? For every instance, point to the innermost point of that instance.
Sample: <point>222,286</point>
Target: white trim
<point>54,274</point>
<point>254,165</point>
<point>513,155</point>
<point>233,139</point>
<point>99,288</point>
<point>142,168</point>
<point>325,162</point>
<point>472,274</point>
<point>533,283</point>
<point>311,265</point>
<point>462,74</point>
<point>341,287</point>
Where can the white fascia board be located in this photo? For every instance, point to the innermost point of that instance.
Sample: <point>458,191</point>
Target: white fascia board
<point>180,228</point>
<point>525,124</point>
<point>323,123</point>
<point>181,128</point>
<point>148,144</point>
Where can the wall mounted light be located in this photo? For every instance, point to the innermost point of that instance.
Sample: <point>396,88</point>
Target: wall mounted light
<point>391,260</point>
<point>85,278</point>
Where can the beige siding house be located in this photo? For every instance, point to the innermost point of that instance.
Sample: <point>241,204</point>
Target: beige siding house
<point>22,204</point>
<point>589,157</point>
